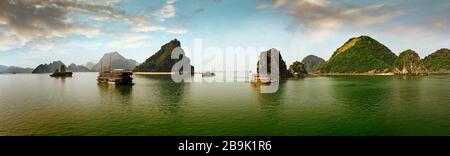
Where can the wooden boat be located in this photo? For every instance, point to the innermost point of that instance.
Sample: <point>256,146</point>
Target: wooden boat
<point>256,78</point>
<point>116,77</point>
<point>61,72</point>
<point>208,74</point>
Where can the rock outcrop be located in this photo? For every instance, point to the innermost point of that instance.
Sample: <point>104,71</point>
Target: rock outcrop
<point>77,68</point>
<point>297,69</point>
<point>117,62</point>
<point>284,72</point>
<point>312,63</point>
<point>48,68</point>
<point>409,63</point>
<point>161,61</point>
<point>438,62</point>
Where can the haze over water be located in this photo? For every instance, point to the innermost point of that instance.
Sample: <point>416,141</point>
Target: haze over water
<point>35,104</point>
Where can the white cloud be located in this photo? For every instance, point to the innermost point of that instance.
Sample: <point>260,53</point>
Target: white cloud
<point>177,30</point>
<point>142,27</point>
<point>8,42</point>
<point>167,11</point>
<point>129,40</point>
<point>321,18</point>
<point>28,21</point>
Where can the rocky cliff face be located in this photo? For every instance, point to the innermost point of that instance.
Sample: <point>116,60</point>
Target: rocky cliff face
<point>48,68</point>
<point>161,61</point>
<point>284,73</point>
<point>77,68</point>
<point>297,69</point>
<point>312,63</point>
<point>117,62</point>
<point>409,63</point>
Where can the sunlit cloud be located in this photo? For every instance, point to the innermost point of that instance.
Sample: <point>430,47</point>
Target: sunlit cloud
<point>27,21</point>
<point>320,18</point>
<point>167,11</point>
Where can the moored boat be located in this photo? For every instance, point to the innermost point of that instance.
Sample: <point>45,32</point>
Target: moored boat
<point>61,72</point>
<point>256,78</point>
<point>208,74</point>
<point>116,77</point>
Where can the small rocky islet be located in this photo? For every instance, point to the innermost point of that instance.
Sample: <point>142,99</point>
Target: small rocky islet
<point>283,70</point>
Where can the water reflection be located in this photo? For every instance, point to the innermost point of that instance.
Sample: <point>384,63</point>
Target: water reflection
<point>170,94</point>
<point>411,93</point>
<point>113,93</point>
<point>60,80</point>
<point>362,94</point>
<point>270,103</point>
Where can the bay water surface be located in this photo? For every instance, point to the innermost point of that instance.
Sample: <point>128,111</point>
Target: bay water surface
<point>36,104</point>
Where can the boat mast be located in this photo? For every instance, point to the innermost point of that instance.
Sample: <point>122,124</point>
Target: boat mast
<point>101,67</point>
<point>110,62</point>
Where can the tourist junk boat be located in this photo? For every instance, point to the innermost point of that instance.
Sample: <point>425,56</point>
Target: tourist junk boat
<point>260,79</point>
<point>115,76</point>
<point>61,72</point>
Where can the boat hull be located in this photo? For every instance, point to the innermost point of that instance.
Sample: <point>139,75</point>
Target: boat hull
<point>62,74</point>
<point>116,78</point>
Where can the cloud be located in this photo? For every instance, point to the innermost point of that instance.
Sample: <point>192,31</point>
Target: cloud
<point>177,30</point>
<point>321,18</point>
<point>260,4</point>
<point>28,21</point>
<point>166,11</point>
<point>128,40</point>
<point>8,41</point>
<point>440,23</point>
<point>143,27</point>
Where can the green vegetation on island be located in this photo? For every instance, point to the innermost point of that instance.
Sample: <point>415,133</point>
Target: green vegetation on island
<point>312,63</point>
<point>439,61</point>
<point>161,61</point>
<point>297,69</point>
<point>360,55</point>
<point>409,63</point>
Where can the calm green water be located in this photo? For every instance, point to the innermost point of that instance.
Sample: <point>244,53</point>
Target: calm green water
<point>352,105</point>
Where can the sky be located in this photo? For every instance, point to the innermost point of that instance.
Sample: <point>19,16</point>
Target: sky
<point>216,34</point>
